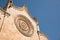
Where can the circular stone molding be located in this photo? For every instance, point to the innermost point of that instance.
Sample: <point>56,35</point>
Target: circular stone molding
<point>24,25</point>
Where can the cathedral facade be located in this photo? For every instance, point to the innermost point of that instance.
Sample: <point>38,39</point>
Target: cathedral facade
<point>17,24</point>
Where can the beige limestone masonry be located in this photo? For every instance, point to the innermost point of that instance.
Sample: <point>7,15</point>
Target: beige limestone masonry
<point>17,24</point>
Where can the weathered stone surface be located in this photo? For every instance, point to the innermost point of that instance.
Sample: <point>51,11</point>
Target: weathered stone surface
<point>9,30</point>
<point>42,36</point>
<point>17,24</point>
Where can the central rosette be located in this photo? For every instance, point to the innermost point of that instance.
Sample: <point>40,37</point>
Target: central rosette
<point>23,25</point>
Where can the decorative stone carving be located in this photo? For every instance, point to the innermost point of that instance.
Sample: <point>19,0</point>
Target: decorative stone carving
<point>24,25</point>
<point>18,25</point>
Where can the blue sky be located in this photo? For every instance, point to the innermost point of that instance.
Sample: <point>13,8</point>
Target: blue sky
<point>46,11</point>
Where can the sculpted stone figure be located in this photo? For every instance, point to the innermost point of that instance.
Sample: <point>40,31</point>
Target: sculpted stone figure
<point>17,24</point>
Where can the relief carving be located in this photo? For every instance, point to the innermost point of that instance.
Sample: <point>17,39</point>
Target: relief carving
<point>24,25</point>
